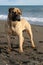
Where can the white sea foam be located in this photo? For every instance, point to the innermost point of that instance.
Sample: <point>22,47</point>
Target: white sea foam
<point>3,17</point>
<point>32,20</point>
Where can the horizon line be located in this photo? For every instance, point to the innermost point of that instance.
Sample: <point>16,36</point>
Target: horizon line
<point>20,5</point>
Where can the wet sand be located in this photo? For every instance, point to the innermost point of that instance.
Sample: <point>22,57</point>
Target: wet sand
<point>30,56</point>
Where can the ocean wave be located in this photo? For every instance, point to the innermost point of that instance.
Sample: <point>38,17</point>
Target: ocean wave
<point>3,17</point>
<point>32,20</point>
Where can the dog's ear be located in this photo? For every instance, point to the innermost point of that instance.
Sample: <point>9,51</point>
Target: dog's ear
<point>10,9</point>
<point>21,11</point>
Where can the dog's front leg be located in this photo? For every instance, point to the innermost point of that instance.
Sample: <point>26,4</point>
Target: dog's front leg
<point>8,33</point>
<point>9,43</point>
<point>21,40</point>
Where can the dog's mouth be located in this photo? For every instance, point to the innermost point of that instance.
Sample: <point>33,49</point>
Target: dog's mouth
<point>15,17</point>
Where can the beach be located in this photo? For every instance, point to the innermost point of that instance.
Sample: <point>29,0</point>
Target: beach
<point>30,56</point>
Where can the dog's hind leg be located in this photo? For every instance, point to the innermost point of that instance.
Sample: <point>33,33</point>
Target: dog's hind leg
<point>29,30</point>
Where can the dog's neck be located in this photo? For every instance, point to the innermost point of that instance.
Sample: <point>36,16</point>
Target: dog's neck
<point>16,18</point>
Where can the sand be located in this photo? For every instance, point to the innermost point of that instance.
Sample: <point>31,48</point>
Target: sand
<point>30,56</point>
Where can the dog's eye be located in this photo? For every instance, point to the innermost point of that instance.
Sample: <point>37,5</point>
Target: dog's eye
<point>12,12</point>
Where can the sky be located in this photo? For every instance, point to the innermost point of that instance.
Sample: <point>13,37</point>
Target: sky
<point>21,2</point>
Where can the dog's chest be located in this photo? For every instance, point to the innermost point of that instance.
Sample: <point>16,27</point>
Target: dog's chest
<point>14,24</point>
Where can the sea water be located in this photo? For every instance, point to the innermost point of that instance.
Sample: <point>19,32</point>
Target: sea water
<point>33,14</point>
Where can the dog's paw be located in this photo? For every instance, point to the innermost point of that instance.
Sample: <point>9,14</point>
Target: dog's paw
<point>9,50</point>
<point>20,51</point>
<point>33,46</point>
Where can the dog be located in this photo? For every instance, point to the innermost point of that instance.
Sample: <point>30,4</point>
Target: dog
<point>17,25</point>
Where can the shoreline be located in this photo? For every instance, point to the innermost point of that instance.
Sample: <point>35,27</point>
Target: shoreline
<point>32,20</point>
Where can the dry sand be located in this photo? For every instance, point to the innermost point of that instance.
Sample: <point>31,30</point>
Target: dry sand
<point>30,56</point>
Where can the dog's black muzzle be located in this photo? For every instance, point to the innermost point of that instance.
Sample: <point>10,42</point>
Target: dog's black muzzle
<point>15,17</point>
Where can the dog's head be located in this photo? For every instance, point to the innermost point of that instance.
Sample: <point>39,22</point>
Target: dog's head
<point>14,13</point>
